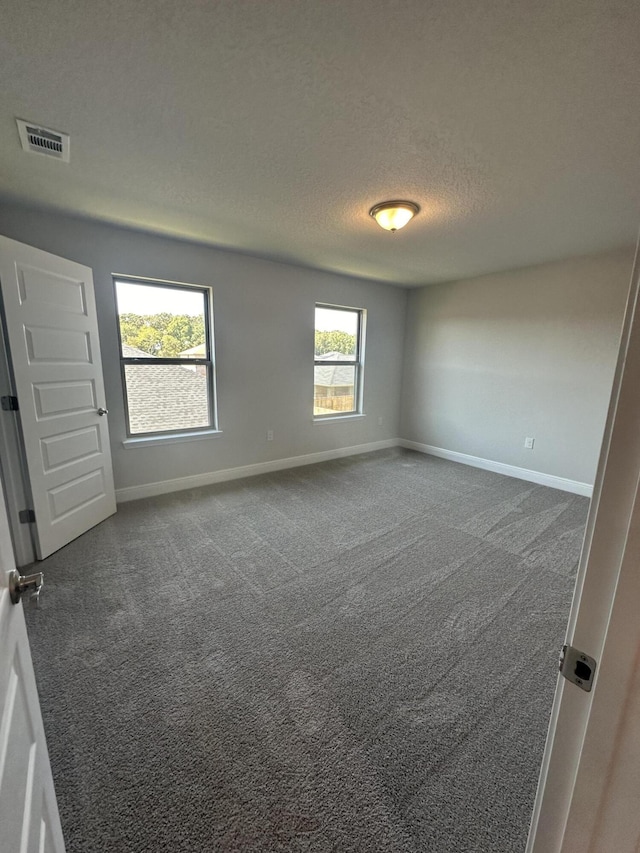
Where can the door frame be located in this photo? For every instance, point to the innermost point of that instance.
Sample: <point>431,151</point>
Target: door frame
<point>566,815</point>
<point>13,462</point>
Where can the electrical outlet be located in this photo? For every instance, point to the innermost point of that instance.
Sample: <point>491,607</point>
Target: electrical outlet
<point>269,435</point>
<point>379,421</point>
<point>528,443</point>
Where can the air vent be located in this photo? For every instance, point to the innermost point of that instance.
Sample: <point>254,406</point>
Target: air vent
<point>43,140</point>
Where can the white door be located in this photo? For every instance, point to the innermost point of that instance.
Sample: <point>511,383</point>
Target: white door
<point>588,797</point>
<point>29,821</point>
<point>52,332</point>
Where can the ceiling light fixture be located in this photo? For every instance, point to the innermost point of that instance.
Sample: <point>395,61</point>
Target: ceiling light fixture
<point>392,215</point>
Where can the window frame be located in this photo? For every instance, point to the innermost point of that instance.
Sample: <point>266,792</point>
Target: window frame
<point>208,361</point>
<point>357,363</point>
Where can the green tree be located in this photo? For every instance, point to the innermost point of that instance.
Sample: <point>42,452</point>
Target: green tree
<point>170,347</point>
<point>148,339</point>
<point>162,335</point>
<point>335,341</point>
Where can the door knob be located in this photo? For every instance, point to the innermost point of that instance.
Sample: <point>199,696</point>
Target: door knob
<point>19,584</point>
<point>102,411</point>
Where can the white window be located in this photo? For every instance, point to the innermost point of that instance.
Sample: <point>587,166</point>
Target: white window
<point>338,363</point>
<point>166,354</point>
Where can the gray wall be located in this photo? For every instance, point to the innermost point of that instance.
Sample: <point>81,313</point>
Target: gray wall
<point>264,318</point>
<point>530,352</point>
<point>487,361</point>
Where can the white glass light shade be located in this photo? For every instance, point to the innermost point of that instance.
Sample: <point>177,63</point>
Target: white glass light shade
<point>392,215</point>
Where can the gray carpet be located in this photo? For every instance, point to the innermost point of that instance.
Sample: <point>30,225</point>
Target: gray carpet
<point>352,656</point>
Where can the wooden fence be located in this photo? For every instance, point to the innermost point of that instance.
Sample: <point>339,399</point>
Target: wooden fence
<point>333,404</point>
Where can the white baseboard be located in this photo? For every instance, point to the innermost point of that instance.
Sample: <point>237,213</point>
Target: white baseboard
<point>538,477</point>
<point>147,490</point>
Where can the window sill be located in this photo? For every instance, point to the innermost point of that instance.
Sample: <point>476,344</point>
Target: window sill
<point>169,438</point>
<point>331,419</point>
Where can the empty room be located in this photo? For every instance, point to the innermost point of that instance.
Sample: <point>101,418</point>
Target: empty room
<point>319,439</point>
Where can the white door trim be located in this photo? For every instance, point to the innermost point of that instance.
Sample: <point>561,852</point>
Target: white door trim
<point>12,467</point>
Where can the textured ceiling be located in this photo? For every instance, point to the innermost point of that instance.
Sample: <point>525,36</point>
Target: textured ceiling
<point>272,126</point>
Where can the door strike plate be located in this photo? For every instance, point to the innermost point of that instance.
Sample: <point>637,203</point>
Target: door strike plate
<point>577,667</point>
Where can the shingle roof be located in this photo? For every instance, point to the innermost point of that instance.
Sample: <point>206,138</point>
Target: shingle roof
<point>333,374</point>
<point>165,396</point>
<point>199,351</point>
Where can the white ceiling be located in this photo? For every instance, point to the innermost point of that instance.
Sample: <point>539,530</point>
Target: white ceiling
<point>272,126</point>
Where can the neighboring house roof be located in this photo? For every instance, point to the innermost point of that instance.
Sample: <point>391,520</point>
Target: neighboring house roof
<point>164,396</point>
<point>199,351</point>
<point>133,352</point>
<point>333,374</point>
<point>335,356</point>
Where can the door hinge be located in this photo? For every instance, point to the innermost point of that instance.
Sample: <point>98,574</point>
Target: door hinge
<point>577,667</point>
<point>27,516</point>
<point>10,404</point>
